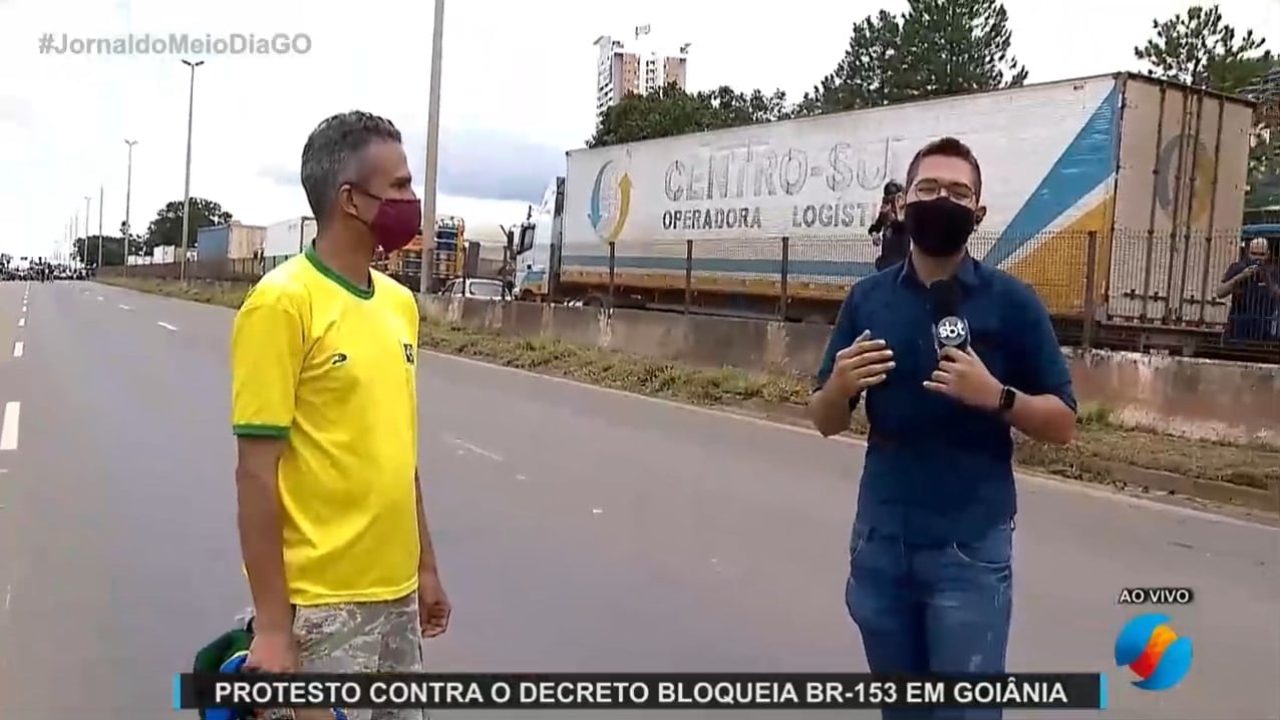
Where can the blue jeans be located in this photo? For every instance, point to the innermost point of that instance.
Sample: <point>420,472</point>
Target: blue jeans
<point>937,609</point>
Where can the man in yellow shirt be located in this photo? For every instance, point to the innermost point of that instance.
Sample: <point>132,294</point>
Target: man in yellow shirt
<point>332,529</point>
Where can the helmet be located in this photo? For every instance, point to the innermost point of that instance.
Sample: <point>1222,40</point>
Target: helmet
<point>892,188</point>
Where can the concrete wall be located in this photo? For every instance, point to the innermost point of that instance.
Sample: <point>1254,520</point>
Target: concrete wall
<point>1191,397</point>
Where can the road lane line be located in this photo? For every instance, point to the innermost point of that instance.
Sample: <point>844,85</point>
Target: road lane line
<point>1032,476</point>
<point>17,348</point>
<point>22,322</point>
<point>101,298</point>
<point>475,449</point>
<point>166,325</point>
<point>8,595</point>
<point>9,427</point>
<point>125,307</point>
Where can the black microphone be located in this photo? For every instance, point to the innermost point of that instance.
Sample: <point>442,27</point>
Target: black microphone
<point>950,329</point>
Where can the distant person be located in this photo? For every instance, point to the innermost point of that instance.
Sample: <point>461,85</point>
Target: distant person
<point>332,529</point>
<point>931,553</point>
<point>1254,286</point>
<point>888,231</point>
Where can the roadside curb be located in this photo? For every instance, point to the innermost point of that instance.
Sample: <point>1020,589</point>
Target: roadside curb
<point>1121,478</point>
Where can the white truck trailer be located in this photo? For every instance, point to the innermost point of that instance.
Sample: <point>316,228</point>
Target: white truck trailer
<point>1155,169</point>
<point>288,237</point>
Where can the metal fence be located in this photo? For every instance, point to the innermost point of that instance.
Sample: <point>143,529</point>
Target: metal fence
<point>1137,279</point>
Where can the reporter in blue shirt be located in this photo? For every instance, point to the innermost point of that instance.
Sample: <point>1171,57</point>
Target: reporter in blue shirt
<point>930,569</point>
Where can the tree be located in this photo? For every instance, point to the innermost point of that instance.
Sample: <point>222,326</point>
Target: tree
<point>727,107</point>
<point>936,48</point>
<point>958,46</point>
<point>671,111</point>
<point>166,228</point>
<point>137,243</point>
<point>1198,48</point>
<point>869,74</point>
<point>1264,170</point>
<point>85,250</point>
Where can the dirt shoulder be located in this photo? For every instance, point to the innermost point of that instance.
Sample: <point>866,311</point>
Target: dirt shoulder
<point>1242,475</point>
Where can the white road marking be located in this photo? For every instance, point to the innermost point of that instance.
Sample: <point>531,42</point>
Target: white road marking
<point>101,298</point>
<point>125,307</point>
<point>22,322</point>
<point>17,348</point>
<point>597,511</point>
<point>521,478</point>
<point>8,595</point>
<point>166,326</point>
<point>9,427</point>
<point>475,449</point>
<point>1032,477</point>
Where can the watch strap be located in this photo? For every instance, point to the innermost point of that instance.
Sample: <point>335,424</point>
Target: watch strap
<point>1007,398</point>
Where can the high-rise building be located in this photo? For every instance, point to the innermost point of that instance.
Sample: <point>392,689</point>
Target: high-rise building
<point>621,72</point>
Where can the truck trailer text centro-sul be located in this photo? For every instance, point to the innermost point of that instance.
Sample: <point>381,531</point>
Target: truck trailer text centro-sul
<point>1155,170</point>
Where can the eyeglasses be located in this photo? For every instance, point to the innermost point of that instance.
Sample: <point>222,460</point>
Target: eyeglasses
<point>928,189</point>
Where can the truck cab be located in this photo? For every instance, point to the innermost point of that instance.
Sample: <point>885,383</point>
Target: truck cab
<point>536,243</point>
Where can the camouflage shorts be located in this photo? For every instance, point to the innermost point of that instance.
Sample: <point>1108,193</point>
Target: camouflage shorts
<point>361,638</point>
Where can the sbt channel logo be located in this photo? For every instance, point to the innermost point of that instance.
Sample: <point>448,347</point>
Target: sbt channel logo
<point>1157,596</point>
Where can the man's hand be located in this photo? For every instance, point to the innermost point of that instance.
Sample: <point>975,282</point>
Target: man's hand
<point>273,652</point>
<point>433,605</point>
<point>961,375</point>
<point>863,364</point>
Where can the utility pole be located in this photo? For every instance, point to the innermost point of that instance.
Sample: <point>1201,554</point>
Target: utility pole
<point>128,193</point>
<point>101,190</point>
<point>433,156</point>
<point>186,190</point>
<point>84,257</point>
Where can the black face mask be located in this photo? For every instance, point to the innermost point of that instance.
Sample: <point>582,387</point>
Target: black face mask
<point>939,227</point>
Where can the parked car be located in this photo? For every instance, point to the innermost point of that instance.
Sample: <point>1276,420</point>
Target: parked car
<point>478,288</point>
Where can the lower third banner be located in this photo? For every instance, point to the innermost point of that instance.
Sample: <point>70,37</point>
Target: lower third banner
<point>634,691</point>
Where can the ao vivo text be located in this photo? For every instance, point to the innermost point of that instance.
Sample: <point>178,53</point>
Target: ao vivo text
<point>637,691</point>
<point>1157,596</point>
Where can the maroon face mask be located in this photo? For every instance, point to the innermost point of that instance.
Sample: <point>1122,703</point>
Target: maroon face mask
<point>396,222</point>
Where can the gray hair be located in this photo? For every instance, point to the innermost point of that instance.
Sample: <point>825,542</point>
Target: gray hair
<point>332,152</point>
<point>1258,244</point>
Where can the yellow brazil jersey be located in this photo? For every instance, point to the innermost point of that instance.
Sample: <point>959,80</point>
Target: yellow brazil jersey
<point>329,367</point>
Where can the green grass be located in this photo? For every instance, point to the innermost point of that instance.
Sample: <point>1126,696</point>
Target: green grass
<point>1100,443</point>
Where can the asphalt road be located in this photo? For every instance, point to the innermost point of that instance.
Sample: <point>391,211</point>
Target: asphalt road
<point>578,529</point>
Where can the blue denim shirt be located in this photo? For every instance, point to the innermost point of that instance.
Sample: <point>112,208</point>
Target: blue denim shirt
<point>937,470</point>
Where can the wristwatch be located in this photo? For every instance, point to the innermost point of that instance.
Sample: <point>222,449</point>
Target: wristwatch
<point>1007,397</point>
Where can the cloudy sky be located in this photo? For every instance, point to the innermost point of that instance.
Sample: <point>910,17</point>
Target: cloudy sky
<point>518,89</point>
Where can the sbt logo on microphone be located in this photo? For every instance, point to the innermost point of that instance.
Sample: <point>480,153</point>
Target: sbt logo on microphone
<point>1156,596</point>
<point>951,331</point>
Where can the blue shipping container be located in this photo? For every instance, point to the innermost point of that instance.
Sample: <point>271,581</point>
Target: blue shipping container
<point>212,242</point>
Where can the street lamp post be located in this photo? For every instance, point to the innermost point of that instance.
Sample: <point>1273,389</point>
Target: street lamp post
<point>186,190</point>
<point>101,190</point>
<point>128,193</point>
<point>75,230</point>
<point>433,145</point>
<point>84,257</point>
